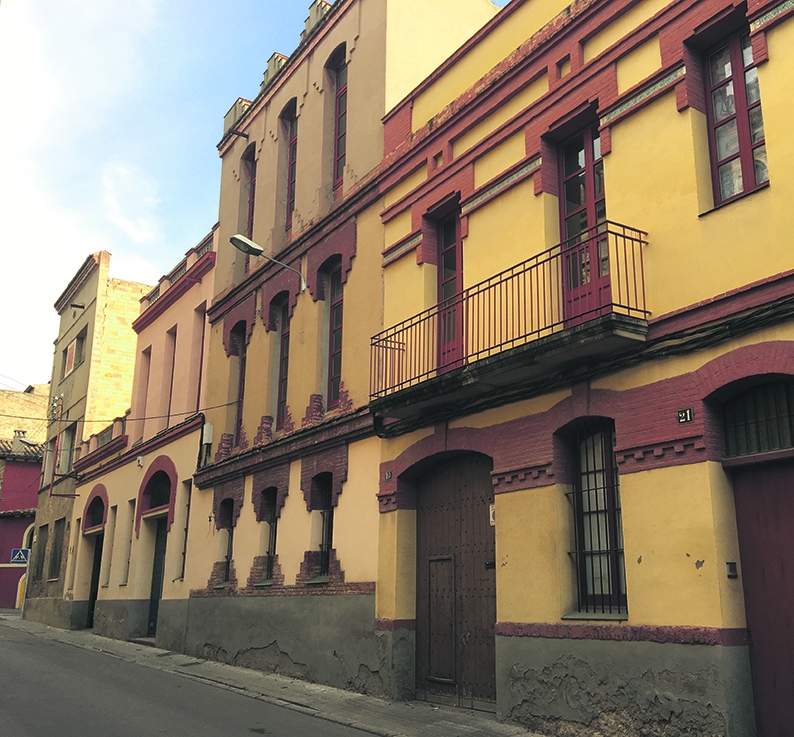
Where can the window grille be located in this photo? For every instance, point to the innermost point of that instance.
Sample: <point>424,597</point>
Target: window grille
<point>598,530</point>
<point>760,419</point>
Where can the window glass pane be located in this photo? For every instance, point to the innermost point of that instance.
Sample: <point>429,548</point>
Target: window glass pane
<point>598,175</point>
<point>574,193</point>
<point>448,233</point>
<point>449,264</point>
<point>336,316</point>
<point>722,102</point>
<point>759,163</point>
<point>334,392</point>
<point>603,256</point>
<point>730,176</point>
<point>449,289</point>
<point>720,65</point>
<point>751,85</point>
<point>575,224</point>
<point>756,124</point>
<point>747,50</point>
<point>341,126</point>
<point>596,145</point>
<point>601,211</point>
<point>573,156</point>
<point>336,364</point>
<point>727,140</point>
<point>341,79</point>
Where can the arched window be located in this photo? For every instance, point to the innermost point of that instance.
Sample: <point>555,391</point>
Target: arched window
<point>95,514</point>
<point>289,128</point>
<point>157,492</point>
<point>337,69</point>
<point>238,337</point>
<point>760,419</point>
<point>333,290</point>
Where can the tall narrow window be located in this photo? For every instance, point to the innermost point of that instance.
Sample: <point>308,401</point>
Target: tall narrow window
<point>322,504</point>
<point>582,214</point>
<point>598,530</point>
<point>291,130</point>
<point>226,523</point>
<point>736,125</point>
<point>57,549</point>
<point>170,357</point>
<point>340,125</point>
<point>450,283</point>
<point>41,551</point>
<point>336,294</point>
<point>269,519</point>
<point>66,450</point>
<point>249,168</point>
<point>238,339</point>
<point>283,364</point>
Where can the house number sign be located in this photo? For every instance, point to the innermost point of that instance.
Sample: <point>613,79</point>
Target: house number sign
<point>686,415</point>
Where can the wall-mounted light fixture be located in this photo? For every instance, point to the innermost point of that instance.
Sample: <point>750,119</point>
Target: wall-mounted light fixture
<point>247,246</point>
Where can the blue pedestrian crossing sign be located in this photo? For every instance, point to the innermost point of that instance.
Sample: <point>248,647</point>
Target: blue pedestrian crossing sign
<point>20,555</point>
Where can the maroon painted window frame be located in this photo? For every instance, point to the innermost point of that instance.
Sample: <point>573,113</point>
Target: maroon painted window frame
<point>450,286</point>
<point>340,124</point>
<point>238,336</point>
<point>322,502</point>
<point>269,514</point>
<point>291,128</point>
<point>737,144</point>
<point>583,213</point>
<point>283,364</point>
<point>335,320</point>
<point>598,528</point>
<point>226,522</point>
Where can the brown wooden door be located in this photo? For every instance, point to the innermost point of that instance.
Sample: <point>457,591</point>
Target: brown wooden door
<point>765,519</point>
<point>456,584</point>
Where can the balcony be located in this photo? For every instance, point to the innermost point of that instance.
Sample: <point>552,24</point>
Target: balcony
<point>578,301</point>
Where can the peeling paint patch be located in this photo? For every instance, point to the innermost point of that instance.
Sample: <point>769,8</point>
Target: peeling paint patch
<point>699,564</point>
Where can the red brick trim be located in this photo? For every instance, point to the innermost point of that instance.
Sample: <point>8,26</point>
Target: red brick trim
<point>114,446</point>
<point>157,442</point>
<point>339,242</point>
<point>243,311</point>
<point>182,286</point>
<point>98,492</point>
<point>405,246</point>
<point>280,281</point>
<point>233,490</point>
<point>255,577</point>
<point>390,625</point>
<point>626,633</point>
<point>333,461</point>
<point>276,476</point>
<point>166,465</point>
<point>264,433</point>
<point>315,411</point>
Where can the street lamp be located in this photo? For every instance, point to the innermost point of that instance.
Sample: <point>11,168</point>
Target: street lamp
<point>247,246</point>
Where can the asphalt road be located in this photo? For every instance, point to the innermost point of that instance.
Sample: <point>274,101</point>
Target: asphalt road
<point>54,688</point>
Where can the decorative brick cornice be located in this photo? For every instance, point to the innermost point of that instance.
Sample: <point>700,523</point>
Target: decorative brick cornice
<point>182,286</point>
<point>335,431</point>
<point>264,433</point>
<point>626,633</point>
<point>523,478</point>
<point>672,453</point>
<point>315,411</point>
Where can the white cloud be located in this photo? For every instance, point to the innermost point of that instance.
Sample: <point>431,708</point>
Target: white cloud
<point>130,197</point>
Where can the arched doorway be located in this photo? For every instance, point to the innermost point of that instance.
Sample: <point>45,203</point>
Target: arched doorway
<point>94,527</point>
<point>759,438</point>
<point>456,583</point>
<point>156,503</point>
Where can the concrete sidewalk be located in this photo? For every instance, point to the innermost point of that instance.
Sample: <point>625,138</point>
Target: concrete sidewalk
<point>402,719</point>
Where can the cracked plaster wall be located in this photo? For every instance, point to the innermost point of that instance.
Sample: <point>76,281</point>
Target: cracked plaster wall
<point>580,688</point>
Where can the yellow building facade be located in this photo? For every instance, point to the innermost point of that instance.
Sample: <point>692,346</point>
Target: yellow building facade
<point>495,403</point>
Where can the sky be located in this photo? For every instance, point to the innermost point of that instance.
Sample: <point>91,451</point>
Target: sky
<point>110,114</point>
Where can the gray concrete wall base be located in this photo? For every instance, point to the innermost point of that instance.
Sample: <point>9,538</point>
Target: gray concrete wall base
<point>397,656</point>
<point>172,624</point>
<point>325,639</point>
<point>121,619</point>
<point>585,688</point>
<point>57,612</point>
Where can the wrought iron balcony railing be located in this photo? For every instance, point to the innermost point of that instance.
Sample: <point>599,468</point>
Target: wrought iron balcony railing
<point>598,272</point>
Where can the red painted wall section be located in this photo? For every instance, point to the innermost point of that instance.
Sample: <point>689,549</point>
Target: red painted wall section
<point>20,486</point>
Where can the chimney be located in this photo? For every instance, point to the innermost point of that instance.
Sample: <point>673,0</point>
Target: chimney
<point>274,65</point>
